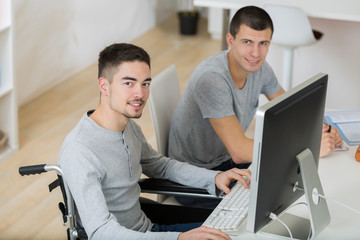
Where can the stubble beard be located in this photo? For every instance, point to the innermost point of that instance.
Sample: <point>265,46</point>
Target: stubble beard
<point>125,113</point>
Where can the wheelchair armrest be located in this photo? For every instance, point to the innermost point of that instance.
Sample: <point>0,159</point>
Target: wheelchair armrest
<point>167,187</point>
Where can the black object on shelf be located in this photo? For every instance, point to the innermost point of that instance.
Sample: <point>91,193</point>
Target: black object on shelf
<point>188,22</point>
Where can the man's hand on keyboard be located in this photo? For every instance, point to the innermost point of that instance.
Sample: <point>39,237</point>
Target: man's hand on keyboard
<point>203,233</point>
<point>223,180</point>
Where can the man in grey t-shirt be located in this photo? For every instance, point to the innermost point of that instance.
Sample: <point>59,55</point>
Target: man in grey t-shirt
<point>221,98</point>
<point>222,94</point>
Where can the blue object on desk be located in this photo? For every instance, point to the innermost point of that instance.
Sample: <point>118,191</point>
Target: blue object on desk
<point>348,124</point>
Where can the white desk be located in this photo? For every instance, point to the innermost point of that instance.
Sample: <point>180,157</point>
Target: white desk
<point>347,10</point>
<point>340,177</point>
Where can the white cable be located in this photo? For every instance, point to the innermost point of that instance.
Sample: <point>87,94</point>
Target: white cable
<point>274,217</point>
<point>299,203</point>
<point>337,202</point>
<point>304,203</point>
<point>332,200</point>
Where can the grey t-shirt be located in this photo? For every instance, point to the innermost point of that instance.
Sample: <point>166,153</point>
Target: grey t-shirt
<point>211,93</point>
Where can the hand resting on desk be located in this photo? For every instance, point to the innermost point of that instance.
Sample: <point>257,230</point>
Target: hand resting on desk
<point>330,139</point>
<point>204,233</point>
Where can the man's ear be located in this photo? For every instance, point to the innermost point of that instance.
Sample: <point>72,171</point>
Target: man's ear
<point>103,86</point>
<point>229,40</point>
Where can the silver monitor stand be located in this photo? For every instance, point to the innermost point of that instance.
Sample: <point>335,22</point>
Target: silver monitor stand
<point>319,216</point>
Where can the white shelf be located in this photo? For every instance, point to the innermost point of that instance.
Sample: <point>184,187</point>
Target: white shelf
<point>5,28</point>
<point>7,152</point>
<point>8,104</point>
<point>4,91</point>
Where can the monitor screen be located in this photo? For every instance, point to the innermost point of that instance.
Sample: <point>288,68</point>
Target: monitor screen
<point>284,128</point>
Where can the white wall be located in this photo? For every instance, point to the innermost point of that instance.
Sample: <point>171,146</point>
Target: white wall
<point>337,54</point>
<point>56,39</point>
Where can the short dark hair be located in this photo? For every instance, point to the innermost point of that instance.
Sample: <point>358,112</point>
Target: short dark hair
<point>112,56</point>
<point>253,17</point>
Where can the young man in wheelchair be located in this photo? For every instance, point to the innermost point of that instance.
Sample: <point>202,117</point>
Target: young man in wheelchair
<point>103,157</point>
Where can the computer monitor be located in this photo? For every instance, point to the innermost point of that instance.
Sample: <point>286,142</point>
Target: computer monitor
<point>287,142</point>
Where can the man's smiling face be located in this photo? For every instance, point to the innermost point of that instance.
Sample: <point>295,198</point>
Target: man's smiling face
<point>249,47</point>
<point>130,89</point>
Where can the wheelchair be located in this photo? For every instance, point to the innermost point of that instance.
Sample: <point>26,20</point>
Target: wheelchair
<point>67,207</point>
<point>157,212</point>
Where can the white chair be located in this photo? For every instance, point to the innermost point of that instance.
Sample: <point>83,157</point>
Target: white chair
<point>292,29</point>
<point>164,96</point>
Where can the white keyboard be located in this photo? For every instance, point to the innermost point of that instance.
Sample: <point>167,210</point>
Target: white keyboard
<point>231,211</point>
